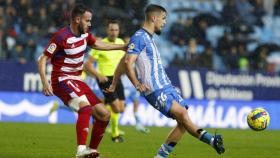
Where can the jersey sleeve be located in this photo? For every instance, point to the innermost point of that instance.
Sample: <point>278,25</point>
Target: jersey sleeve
<point>52,47</point>
<point>91,40</point>
<point>136,45</point>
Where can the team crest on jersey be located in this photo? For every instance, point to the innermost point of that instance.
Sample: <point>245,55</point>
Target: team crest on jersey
<point>51,48</point>
<point>131,46</point>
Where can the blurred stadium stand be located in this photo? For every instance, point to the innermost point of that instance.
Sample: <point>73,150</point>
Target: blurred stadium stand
<point>247,31</point>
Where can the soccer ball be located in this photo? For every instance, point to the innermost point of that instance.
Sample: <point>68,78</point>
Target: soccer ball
<point>258,119</point>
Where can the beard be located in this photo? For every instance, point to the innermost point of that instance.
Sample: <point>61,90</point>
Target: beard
<point>81,29</point>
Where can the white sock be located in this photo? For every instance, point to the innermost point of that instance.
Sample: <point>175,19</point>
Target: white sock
<point>212,141</point>
<point>81,148</point>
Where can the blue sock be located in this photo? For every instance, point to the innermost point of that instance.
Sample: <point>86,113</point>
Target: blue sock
<point>206,137</point>
<point>165,149</point>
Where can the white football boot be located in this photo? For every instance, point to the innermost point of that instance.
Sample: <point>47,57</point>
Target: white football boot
<point>84,152</point>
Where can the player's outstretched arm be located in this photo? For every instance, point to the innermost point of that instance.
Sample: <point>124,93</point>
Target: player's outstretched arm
<point>42,61</point>
<point>130,71</point>
<point>100,45</point>
<point>89,69</point>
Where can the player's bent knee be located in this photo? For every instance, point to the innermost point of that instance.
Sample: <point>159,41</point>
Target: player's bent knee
<point>121,108</point>
<point>117,106</point>
<point>105,116</point>
<point>78,102</point>
<point>102,113</point>
<point>116,109</point>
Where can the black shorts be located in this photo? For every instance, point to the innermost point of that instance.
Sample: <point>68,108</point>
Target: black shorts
<point>110,97</point>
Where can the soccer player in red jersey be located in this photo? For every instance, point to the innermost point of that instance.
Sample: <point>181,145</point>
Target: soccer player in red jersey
<point>66,51</point>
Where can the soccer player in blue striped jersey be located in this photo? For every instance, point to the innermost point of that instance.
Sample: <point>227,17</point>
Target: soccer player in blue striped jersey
<point>155,86</point>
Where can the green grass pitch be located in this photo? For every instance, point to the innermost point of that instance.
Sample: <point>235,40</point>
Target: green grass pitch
<point>33,140</point>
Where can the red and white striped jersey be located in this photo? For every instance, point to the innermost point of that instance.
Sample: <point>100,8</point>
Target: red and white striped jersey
<point>67,54</point>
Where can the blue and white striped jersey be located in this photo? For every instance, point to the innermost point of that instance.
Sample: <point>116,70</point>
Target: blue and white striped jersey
<point>149,68</point>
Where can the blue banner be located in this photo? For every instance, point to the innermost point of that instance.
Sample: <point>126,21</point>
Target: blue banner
<point>35,107</point>
<point>12,75</point>
<point>194,84</point>
<point>205,84</point>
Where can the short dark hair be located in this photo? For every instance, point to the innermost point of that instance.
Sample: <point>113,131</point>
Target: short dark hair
<point>112,21</point>
<point>79,10</point>
<point>154,8</point>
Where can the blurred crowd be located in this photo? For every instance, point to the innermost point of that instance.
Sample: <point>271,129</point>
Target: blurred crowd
<point>237,47</point>
<point>27,25</point>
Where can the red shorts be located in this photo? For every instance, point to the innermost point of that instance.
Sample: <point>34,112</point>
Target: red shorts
<point>69,89</point>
